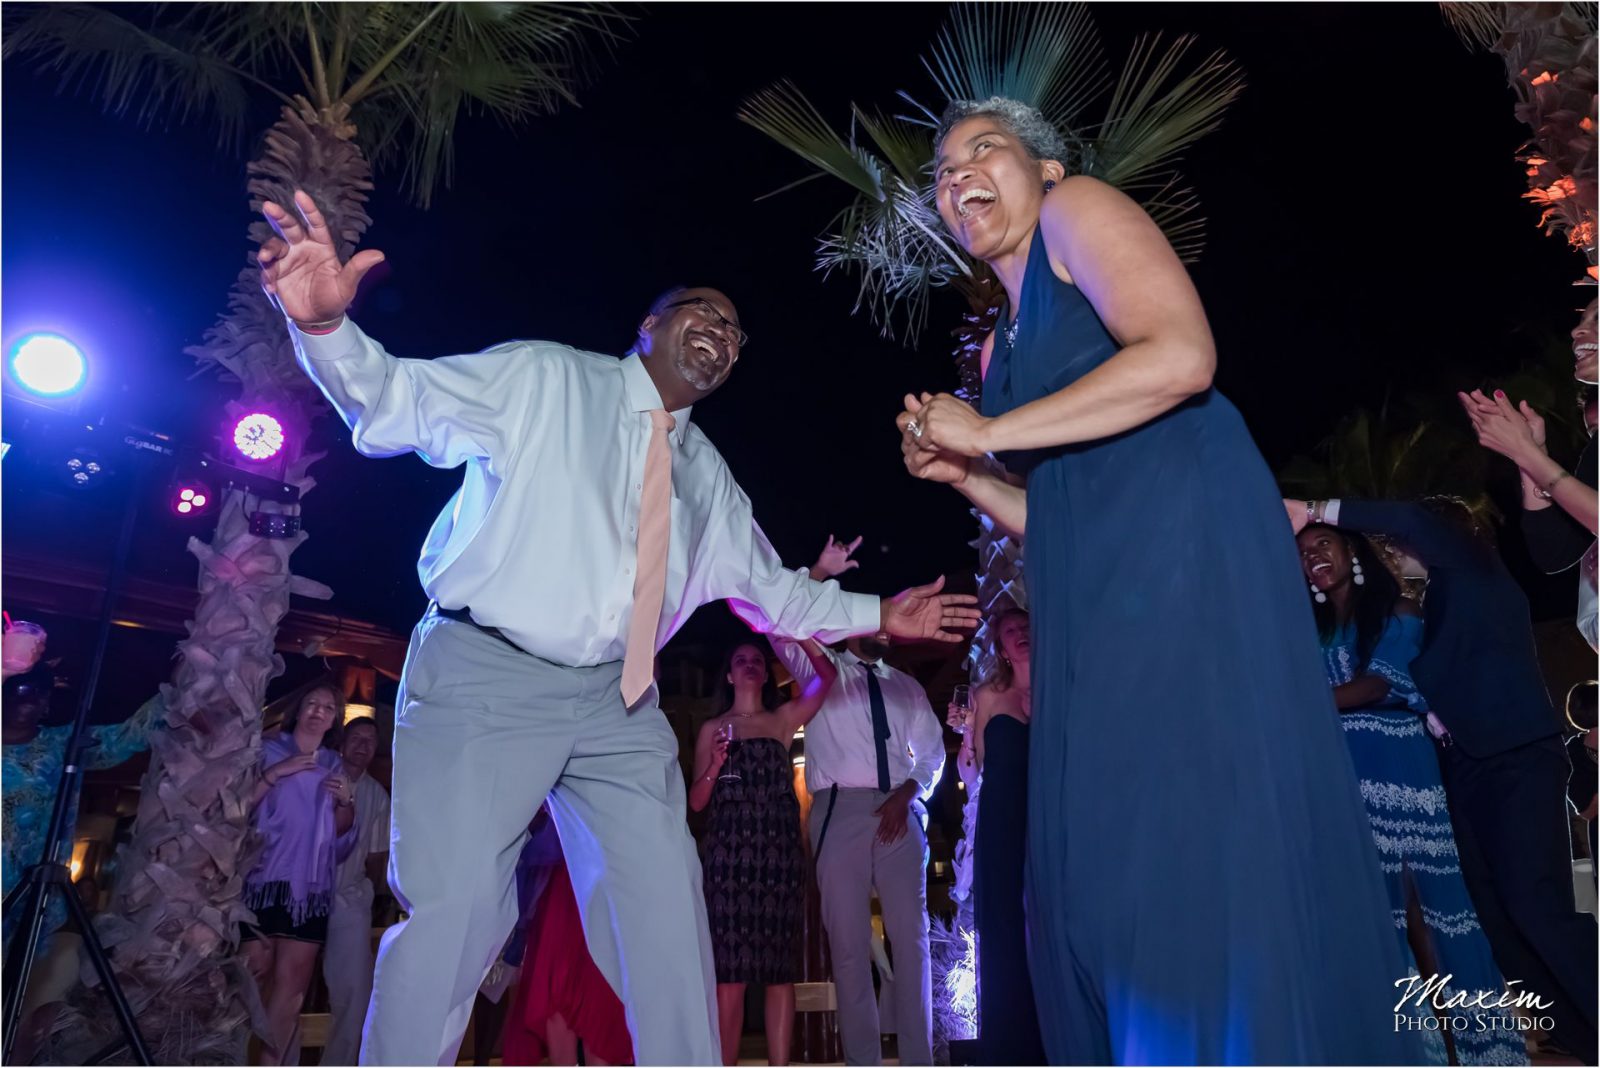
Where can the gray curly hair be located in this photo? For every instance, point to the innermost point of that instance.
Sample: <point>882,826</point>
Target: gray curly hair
<point>1026,122</point>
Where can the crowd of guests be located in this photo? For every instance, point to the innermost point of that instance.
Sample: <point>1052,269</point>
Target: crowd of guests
<point>1433,807</point>
<point>1428,652</point>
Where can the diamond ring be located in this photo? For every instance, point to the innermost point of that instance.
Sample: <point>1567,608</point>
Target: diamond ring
<point>915,428</point>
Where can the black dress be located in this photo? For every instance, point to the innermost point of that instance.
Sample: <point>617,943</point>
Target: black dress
<point>1008,1024</point>
<point>755,867</point>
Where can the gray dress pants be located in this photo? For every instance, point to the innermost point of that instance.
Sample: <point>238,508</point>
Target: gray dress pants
<point>850,866</point>
<point>483,734</point>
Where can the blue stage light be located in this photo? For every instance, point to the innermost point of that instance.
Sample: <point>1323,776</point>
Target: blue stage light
<point>48,365</point>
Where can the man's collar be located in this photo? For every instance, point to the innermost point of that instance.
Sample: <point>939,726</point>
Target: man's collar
<point>874,664</point>
<point>642,394</point>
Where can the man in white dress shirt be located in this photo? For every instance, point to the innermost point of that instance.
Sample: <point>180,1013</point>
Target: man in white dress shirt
<point>347,955</point>
<point>530,674</point>
<point>874,753</point>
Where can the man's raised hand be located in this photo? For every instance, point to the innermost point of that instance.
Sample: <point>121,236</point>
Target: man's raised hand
<point>834,559</point>
<point>300,268</point>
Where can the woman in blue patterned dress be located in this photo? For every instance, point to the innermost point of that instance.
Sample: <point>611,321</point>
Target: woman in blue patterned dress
<point>1370,636</point>
<point>33,756</point>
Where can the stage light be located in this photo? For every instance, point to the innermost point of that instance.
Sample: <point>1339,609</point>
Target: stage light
<point>258,436</point>
<point>48,365</point>
<point>190,497</point>
<point>274,525</point>
<point>84,469</point>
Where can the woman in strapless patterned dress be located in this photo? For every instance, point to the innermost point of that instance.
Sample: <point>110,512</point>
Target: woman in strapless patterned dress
<point>753,856</point>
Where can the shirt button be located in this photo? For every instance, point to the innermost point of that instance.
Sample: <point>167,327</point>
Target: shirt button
<point>627,571</point>
<point>638,485</point>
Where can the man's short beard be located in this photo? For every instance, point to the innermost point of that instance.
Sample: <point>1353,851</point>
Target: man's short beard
<point>704,381</point>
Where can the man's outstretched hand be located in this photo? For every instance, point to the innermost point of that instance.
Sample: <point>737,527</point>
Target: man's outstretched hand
<point>923,612</point>
<point>300,266</point>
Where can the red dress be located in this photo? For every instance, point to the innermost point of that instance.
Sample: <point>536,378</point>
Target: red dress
<point>558,976</point>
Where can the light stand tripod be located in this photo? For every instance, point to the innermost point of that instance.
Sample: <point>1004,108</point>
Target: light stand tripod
<point>51,874</point>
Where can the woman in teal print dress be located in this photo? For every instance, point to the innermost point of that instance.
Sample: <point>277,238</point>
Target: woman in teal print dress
<point>33,756</point>
<point>1202,885</point>
<point>1370,635</point>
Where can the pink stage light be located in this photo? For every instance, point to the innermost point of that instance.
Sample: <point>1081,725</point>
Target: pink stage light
<point>258,436</point>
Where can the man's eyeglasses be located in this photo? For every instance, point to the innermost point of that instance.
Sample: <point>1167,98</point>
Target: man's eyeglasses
<point>709,311</point>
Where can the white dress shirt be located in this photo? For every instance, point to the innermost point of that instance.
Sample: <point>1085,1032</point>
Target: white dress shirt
<point>541,539</point>
<point>840,749</point>
<point>351,884</point>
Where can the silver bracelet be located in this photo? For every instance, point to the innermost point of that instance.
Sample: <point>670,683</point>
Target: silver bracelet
<point>321,327</point>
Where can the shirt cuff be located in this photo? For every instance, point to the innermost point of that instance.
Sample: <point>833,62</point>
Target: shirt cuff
<point>866,613</point>
<point>337,344</point>
<point>1330,512</point>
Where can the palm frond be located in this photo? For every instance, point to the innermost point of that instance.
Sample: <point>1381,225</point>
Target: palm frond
<point>1153,118</point>
<point>783,113</point>
<point>191,67</point>
<point>897,246</point>
<point>415,69</point>
<point>906,145</point>
<point>1047,55</point>
<point>1477,24</point>
<point>1175,208</point>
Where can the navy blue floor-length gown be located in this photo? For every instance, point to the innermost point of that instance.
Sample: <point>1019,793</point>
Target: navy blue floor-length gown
<point>1008,1025</point>
<point>1203,887</point>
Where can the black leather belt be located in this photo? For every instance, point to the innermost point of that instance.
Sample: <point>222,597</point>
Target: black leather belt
<point>464,615</point>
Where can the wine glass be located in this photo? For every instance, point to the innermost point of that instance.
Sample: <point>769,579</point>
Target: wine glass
<point>725,734</point>
<point>961,697</point>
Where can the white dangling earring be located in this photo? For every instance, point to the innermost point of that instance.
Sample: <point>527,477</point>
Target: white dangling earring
<point>1317,595</point>
<point>1355,570</point>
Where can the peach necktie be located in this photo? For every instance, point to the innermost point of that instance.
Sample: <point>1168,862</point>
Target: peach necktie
<point>650,576</point>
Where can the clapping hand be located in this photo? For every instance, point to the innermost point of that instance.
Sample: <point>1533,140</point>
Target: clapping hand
<point>1517,433</point>
<point>300,268</point>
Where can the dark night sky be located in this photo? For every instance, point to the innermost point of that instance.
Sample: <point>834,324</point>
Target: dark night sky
<point>1365,230</point>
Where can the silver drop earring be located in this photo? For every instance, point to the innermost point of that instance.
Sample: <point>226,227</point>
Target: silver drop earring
<point>1317,595</point>
<point>1355,571</point>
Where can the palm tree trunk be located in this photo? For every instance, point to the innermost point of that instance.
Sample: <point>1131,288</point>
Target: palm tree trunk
<point>999,557</point>
<point>173,926</point>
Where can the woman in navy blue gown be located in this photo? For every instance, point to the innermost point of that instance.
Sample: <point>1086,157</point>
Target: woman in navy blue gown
<point>1202,883</point>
